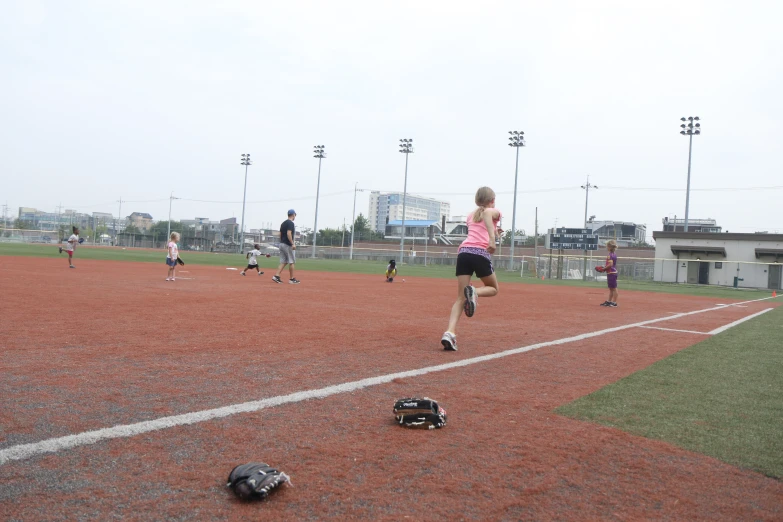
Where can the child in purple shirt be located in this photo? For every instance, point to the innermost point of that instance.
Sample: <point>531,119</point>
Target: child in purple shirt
<point>611,273</point>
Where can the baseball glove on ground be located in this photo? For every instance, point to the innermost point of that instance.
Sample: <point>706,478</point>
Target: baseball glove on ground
<point>600,269</point>
<point>419,413</point>
<point>180,261</point>
<point>255,480</point>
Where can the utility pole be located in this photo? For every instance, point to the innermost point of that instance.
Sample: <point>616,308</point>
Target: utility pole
<point>353,222</point>
<point>57,221</point>
<point>535,244</point>
<point>587,186</point>
<point>171,198</point>
<point>342,242</point>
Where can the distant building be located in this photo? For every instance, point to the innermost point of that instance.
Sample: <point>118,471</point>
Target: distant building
<point>694,225</point>
<point>739,260</point>
<point>140,220</point>
<point>444,232</point>
<point>414,229</point>
<point>51,220</point>
<point>625,233</point>
<point>386,207</point>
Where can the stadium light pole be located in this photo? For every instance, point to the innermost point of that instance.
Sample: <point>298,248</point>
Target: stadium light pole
<point>320,154</point>
<point>353,222</point>
<point>517,140</point>
<point>587,186</point>
<point>406,147</point>
<point>691,128</point>
<point>246,162</point>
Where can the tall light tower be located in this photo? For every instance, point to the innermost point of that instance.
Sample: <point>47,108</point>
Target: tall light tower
<point>587,186</point>
<point>406,147</point>
<point>246,162</point>
<point>689,129</point>
<point>319,153</point>
<point>517,140</point>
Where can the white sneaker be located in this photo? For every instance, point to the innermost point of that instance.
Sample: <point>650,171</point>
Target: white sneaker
<point>471,301</point>
<point>168,279</point>
<point>449,342</point>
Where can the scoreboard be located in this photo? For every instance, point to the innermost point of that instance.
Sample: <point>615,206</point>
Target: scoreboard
<point>571,239</point>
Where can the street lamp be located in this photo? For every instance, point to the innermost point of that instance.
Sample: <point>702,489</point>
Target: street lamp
<point>587,186</point>
<point>517,140</point>
<point>406,147</point>
<point>246,162</point>
<point>320,154</point>
<point>689,129</point>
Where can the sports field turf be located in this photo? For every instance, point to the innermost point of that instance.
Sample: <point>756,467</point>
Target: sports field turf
<point>358,267</point>
<point>112,375</point>
<point>722,397</point>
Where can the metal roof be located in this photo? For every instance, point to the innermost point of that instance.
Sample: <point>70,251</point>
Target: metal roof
<point>775,252</point>
<point>730,236</point>
<point>413,223</point>
<point>695,249</point>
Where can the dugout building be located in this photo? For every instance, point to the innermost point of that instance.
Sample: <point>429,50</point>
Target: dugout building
<point>738,260</point>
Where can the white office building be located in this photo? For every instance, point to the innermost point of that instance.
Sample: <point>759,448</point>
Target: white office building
<point>387,206</point>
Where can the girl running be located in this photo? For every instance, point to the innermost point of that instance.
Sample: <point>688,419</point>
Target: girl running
<point>475,256</point>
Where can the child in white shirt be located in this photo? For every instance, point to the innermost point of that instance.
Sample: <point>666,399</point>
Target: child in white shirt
<point>171,257</point>
<point>252,262</point>
<point>71,246</point>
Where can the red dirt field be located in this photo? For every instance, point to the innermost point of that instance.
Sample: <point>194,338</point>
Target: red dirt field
<point>112,343</point>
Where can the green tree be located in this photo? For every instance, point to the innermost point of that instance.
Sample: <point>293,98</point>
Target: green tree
<point>331,236</point>
<point>130,228</point>
<point>160,230</point>
<point>363,230</point>
<point>362,224</point>
<point>306,236</point>
<point>21,224</point>
<point>528,241</point>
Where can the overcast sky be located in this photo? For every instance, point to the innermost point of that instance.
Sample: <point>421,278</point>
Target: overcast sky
<point>135,99</point>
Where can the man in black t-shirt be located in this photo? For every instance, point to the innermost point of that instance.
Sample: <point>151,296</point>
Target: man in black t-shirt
<point>287,249</point>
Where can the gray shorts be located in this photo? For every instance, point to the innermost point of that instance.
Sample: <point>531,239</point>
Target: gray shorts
<point>287,254</point>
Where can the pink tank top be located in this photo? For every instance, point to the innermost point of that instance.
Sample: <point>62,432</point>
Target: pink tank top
<point>478,237</point>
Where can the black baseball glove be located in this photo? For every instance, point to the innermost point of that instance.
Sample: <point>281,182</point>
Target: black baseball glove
<point>255,480</point>
<point>419,413</point>
<point>180,261</point>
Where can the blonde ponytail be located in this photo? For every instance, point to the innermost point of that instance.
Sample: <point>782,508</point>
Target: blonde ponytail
<point>484,196</point>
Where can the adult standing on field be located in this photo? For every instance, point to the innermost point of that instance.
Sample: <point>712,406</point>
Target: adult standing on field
<point>287,249</point>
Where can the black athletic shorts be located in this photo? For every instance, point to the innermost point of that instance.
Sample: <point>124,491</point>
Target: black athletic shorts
<point>468,264</point>
<point>252,267</point>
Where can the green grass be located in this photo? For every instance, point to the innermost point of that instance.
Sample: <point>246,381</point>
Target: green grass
<point>722,397</point>
<point>361,267</point>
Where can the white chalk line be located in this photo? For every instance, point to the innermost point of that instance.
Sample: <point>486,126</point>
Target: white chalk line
<point>675,330</point>
<point>26,451</point>
<point>738,321</point>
